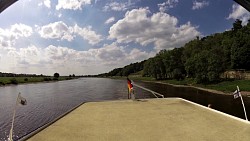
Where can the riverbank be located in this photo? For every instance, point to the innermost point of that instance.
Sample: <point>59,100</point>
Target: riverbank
<point>224,87</point>
<point>5,81</point>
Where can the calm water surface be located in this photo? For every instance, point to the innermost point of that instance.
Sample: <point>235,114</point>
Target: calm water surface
<point>47,101</point>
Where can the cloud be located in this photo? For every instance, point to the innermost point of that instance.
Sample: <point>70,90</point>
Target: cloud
<point>115,6</point>
<point>72,4</point>
<point>88,34</point>
<point>9,36</point>
<point>167,5</point>
<point>239,13</point>
<point>116,56</point>
<point>57,30</point>
<point>47,3</point>
<point>67,61</point>
<point>160,29</point>
<point>199,5</point>
<point>110,20</point>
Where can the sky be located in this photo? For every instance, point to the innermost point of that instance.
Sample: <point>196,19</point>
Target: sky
<point>85,37</point>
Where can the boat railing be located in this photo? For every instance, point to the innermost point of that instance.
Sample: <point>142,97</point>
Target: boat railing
<point>157,95</point>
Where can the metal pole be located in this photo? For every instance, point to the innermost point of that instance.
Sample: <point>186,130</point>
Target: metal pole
<point>153,92</point>
<point>242,103</point>
<point>13,118</point>
<point>128,93</point>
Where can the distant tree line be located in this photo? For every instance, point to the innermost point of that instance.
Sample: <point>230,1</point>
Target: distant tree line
<point>125,71</point>
<point>203,59</point>
<point>3,74</point>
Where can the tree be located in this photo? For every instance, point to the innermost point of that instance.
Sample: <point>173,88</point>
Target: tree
<point>237,25</point>
<point>56,75</point>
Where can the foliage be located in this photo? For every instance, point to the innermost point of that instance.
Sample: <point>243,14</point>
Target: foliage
<point>13,81</point>
<point>56,75</point>
<point>125,71</point>
<point>202,60</point>
<point>47,79</point>
<point>20,80</point>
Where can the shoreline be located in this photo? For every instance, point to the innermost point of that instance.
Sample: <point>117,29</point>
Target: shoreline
<point>35,82</point>
<point>243,93</point>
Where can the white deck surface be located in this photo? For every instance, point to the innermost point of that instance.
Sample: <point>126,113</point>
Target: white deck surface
<point>169,119</point>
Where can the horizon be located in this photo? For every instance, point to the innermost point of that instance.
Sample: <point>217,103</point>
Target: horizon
<point>89,37</point>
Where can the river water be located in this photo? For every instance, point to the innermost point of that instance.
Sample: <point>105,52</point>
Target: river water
<point>47,101</point>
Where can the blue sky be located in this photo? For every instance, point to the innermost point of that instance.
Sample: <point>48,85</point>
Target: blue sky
<point>96,36</point>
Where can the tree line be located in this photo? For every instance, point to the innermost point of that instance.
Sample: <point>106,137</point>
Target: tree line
<point>203,59</point>
<point>4,74</point>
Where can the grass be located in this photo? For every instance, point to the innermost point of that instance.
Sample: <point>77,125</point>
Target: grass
<point>230,86</point>
<point>224,86</point>
<point>181,82</point>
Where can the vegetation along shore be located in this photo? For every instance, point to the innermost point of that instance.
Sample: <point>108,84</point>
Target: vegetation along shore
<point>219,61</point>
<point>14,79</point>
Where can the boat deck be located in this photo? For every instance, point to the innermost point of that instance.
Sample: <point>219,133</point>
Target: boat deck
<point>171,119</point>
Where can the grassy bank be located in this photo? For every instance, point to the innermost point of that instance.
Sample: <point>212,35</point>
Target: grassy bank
<point>22,80</point>
<point>224,86</point>
<point>230,86</point>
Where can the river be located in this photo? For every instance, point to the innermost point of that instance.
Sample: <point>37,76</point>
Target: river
<point>47,101</point>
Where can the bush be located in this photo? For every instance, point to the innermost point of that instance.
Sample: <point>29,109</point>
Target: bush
<point>55,79</point>
<point>47,79</point>
<point>13,81</point>
<point>1,83</point>
<point>26,79</point>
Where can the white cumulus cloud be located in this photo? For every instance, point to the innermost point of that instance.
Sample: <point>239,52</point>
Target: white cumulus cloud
<point>110,20</point>
<point>72,4</point>
<point>239,12</point>
<point>66,61</point>
<point>160,28</point>
<point>46,3</point>
<point>60,30</point>
<point>167,5</point>
<point>88,34</point>
<point>199,4</point>
<point>9,36</point>
<point>57,30</point>
<point>116,6</point>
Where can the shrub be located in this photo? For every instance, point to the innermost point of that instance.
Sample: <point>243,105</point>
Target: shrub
<point>2,83</point>
<point>13,81</point>
<point>55,79</point>
<point>47,79</point>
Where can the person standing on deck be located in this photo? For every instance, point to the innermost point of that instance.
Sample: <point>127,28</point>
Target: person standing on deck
<point>130,88</point>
